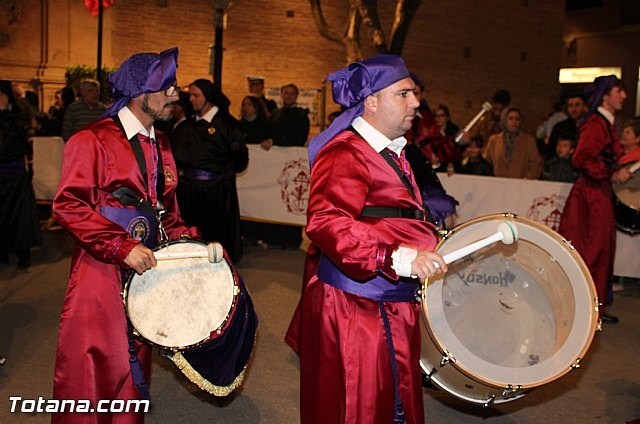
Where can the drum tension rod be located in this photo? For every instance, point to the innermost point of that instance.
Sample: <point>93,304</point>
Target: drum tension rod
<point>576,364</point>
<point>431,373</point>
<point>510,390</point>
<point>447,358</point>
<point>487,403</point>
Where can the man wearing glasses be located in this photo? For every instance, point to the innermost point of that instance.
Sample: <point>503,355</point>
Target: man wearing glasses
<point>116,196</point>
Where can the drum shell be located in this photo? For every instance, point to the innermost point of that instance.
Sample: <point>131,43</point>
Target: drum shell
<point>627,217</point>
<point>461,373</point>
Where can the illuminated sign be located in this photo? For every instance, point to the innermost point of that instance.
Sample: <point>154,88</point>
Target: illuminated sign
<point>583,75</point>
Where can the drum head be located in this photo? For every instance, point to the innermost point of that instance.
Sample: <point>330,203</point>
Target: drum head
<point>182,302</point>
<point>508,315</point>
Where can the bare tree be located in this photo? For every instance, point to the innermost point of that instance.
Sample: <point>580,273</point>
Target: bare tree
<point>366,12</point>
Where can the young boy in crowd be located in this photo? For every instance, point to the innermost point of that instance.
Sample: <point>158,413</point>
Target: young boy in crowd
<point>559,167</point>
<point>474,163</point>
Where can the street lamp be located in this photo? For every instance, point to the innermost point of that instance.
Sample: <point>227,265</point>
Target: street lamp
<point>216,51</point>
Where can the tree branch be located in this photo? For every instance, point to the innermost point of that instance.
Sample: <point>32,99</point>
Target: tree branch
<point>405,11</point>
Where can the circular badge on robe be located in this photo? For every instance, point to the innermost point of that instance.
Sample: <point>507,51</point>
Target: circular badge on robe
<point>139,229</point>
<point>211,130</point>
<point>169,177</point>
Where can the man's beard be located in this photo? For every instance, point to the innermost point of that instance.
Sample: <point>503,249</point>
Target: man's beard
<point>157,115</point>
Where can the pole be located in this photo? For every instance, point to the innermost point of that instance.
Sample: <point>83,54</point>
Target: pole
<point>99,62</point>
<point>217,49</point>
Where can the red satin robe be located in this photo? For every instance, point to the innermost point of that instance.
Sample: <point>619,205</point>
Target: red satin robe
<point>588,219</point>
<point>344,359</point>
<point>92,360</point>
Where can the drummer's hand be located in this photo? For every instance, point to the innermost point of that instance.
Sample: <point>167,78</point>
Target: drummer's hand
<point>140,259</point>
<point>423,265</point>
<point>621,175</point>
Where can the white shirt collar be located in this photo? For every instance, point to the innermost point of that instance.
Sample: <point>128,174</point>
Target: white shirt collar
<point>607,114</point>
<point>209,115</point>
<point>376,139</point>
<point>132,125</point>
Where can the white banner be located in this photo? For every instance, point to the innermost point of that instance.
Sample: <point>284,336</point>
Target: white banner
<point>47,166</point>
<point>275,186</point>
<point>541,201</point>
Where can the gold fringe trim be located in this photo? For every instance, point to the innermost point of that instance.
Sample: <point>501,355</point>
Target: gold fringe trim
<point>202,382</point>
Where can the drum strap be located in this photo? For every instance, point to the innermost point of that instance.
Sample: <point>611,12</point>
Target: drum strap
<point>137,375</point>
<point>398,413</point>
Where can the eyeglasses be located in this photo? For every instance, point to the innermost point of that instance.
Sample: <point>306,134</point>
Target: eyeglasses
<point>172,91</point>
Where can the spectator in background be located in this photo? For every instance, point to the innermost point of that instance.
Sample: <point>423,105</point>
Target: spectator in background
<point>576,109</point>
<point>256,88</point>
<point>445,150</point>
<point>474,163</point>
<point>63,98</point>
<point>512,153</point>
<point>588,219</point>
<point>490,122</point>
<point>560,167</point>
<point>19,227</point>
<point>290,122</point>
<point>630,140</point>
<point>84,111</point>
<point>544,129</point>
<point>258,129</point>
<point>255,123</point>
<point>210,152</point>
<point>290,128</point>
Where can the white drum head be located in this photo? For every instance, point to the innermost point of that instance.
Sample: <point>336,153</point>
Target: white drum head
<point>510,315</point>
<point>180,302</point>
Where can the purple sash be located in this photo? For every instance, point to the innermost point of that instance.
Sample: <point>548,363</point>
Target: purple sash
<point>140,225</point>
<point>377,288</point>
<point>205,175</point>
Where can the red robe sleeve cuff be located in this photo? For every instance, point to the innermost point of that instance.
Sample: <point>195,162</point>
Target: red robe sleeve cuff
<point>384,261</point>
<point>121,248</point>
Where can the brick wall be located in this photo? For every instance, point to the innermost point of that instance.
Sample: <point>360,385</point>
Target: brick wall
<point>464,50</point>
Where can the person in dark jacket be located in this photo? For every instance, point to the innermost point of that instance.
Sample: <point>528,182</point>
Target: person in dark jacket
<point>19,227</point>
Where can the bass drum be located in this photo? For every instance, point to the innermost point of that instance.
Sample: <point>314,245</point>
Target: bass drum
<point>627,205</point>
<point>507,318</point>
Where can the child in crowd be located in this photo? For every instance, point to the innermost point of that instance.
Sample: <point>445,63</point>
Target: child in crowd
<point>474,163</point>
<point>560,167</point>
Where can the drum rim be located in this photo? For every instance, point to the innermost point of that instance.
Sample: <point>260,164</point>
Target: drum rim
<point>529,376</point>
<point>218,330</point>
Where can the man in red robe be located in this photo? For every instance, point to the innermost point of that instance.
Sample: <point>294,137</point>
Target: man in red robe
<point>108,164</point>
<point>588,219</point>
<point>356,328</point>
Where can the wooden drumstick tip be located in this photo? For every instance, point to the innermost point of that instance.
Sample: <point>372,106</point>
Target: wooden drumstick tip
<point>509,232</point>
<point>215,252</point>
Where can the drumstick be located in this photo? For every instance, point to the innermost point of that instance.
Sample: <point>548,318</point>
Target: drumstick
<point>633,168</point>
<point>507,233</point>
<point>214,253</point>
<point>486,107</point>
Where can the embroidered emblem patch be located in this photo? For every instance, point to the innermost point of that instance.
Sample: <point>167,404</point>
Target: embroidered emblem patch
<point>211,130</point>
<point>169,177</point>
<point>139,229</point>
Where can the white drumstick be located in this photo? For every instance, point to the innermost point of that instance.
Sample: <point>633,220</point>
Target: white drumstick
<point>214,253</point>
<point>507,233</point>
<point>633,168</point>
<point>486,107</point>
